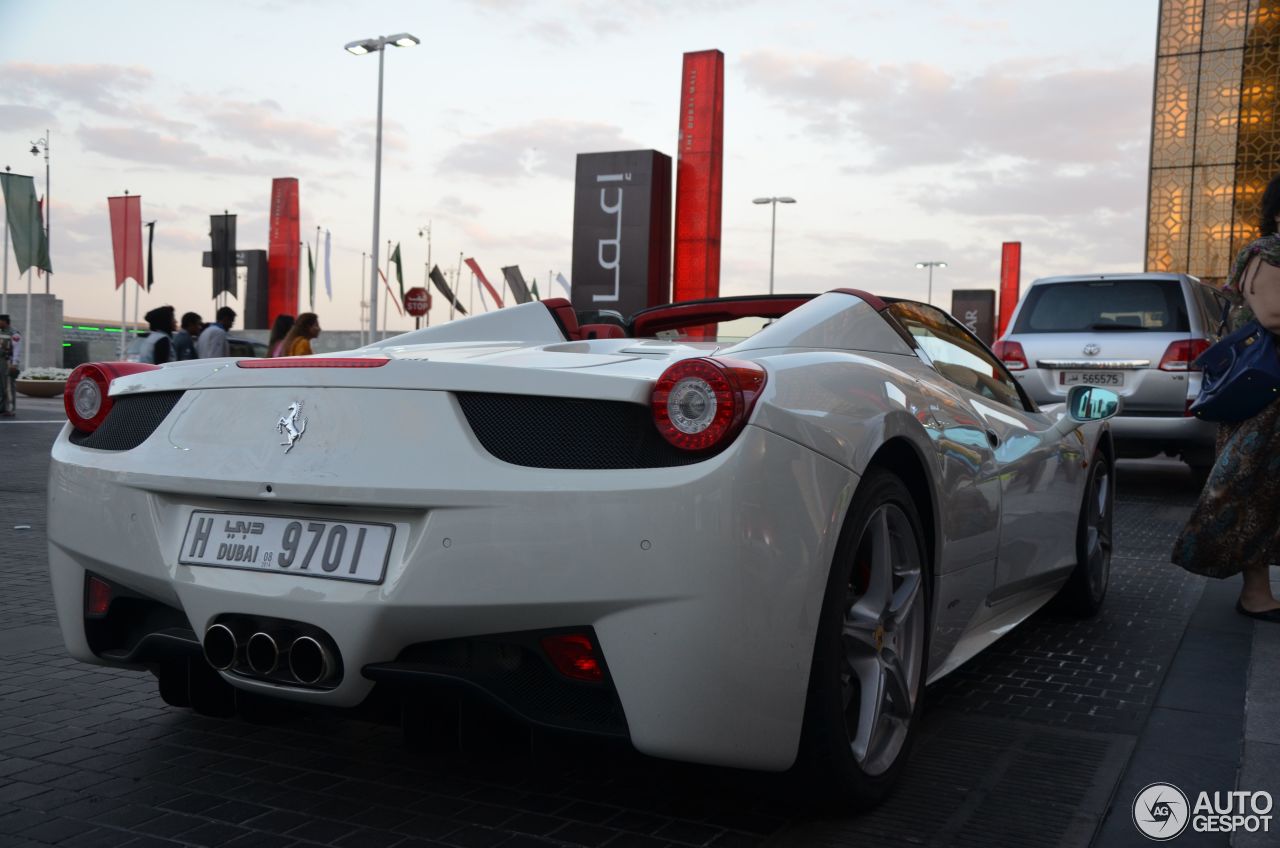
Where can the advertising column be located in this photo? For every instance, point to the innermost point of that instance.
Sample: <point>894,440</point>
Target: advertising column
<point>622,231</point>
<point>282,261</point>
<point>699,175</point>
<point>1010,274</point>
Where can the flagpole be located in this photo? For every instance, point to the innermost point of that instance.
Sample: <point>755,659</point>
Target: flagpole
<point>4,297</point>
<point>363,302</point>
<point>311,285</point>
<point>384,302</point>
<point>471,303</point>
<point>27,358</point>
<point>453,301</point>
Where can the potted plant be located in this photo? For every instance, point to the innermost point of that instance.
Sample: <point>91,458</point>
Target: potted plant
<point>43,382</point>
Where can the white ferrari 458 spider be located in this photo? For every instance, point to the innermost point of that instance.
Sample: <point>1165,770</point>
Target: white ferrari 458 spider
<point>742,531</point>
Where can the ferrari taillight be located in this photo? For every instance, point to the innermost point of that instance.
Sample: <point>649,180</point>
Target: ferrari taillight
<point>701,403</point>
<point>97,598</point>
<point>1181,355</point>
<point>86,397</point>
<point>574,656</point>
<point>1011,355</point>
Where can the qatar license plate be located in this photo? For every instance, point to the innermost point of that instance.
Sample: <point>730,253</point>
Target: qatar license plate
<point>311,547</point>
<point>1091,378</point>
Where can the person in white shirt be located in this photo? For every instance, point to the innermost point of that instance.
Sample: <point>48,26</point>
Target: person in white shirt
<point>212,341</point>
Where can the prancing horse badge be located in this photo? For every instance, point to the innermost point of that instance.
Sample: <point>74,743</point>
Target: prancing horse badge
<point>292,425</point>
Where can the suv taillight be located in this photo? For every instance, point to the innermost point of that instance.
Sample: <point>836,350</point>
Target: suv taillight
<point>1011,355</point>
<point>698,404</point>
<point>86,397</point>
<point>1181,355</point>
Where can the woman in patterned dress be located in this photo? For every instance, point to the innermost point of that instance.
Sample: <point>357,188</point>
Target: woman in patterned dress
<point>1235,527</point>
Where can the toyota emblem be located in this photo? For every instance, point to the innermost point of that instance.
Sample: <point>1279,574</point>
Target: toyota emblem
<point>1092,349</point>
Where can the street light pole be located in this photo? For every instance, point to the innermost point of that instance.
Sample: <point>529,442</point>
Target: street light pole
<point>359,48</point>
<point>48,206</point>
<point>773,228</point>
<point>931,264</point>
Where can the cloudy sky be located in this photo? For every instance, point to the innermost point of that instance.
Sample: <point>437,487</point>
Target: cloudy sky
<point>906,131</point>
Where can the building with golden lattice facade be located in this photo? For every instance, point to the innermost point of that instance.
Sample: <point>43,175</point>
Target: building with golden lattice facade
<point>1215,134</point>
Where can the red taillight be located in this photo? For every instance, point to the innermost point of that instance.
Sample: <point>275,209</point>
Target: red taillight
<point>1011,355</point>
<point>699,403</point>
<point>574,656</point>
<point>97,597</point>
<point>86,397</point>
<point>315,362</point>
<point>1181,356</point>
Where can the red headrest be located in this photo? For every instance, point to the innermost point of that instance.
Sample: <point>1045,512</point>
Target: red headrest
<point>562,311</point>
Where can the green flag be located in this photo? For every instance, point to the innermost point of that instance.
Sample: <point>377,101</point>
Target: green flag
<point>534,291</point>
<point>30,247</point>
<point>311,277</point>
<point>395,257</point>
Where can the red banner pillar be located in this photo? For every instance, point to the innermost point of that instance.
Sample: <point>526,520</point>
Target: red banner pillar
<point>699,176</point>
<point>1010,276</point>
<point>283,259</point>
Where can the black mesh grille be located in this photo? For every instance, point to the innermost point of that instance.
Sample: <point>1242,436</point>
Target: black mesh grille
<point>131,420</point>
<point>515,673</point>
<point>556,432</point>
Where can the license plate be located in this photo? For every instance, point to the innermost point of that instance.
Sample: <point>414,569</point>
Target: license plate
<point>1091,378</point>
<point>310,547</point>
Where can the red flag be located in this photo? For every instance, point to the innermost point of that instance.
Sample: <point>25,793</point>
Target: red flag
<point>390,294</point>
<point>475,269</point>
<point>126,237</point>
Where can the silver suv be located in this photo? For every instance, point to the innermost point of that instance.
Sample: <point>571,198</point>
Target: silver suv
<point>1136,334</point>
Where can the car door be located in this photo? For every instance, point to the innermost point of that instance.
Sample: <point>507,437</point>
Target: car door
<point>1038,470</point>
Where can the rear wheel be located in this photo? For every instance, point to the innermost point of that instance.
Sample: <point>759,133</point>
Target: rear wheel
<point>1087,587</point>
<point>869,661</point>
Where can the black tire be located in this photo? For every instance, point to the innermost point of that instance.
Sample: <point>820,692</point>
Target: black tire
<point>1086,588</point>
<point>836,776</point>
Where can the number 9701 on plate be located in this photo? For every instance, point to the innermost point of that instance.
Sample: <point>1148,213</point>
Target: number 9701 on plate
<point>310,547</point>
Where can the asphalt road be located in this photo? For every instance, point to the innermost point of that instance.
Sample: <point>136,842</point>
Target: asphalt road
<point>1029,744</point>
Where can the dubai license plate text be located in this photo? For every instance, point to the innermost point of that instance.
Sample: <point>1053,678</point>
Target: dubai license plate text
<point>311,547</point>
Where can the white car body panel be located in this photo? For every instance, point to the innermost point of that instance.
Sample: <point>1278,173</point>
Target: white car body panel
<point>703,582</point>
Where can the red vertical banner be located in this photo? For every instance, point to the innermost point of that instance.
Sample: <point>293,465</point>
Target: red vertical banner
<point>484,281</point>
<point>283,259</point>
<point>126,236</point>
<point>1010,277</point>
<point>699,176</point>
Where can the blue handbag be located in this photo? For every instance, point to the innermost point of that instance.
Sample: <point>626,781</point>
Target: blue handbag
<point>1241,375</point>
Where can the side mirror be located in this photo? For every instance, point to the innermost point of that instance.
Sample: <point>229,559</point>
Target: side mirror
<point>1091,403</point>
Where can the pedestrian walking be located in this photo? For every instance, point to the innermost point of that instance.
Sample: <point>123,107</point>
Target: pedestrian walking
<point>213,342</point>
<point>306,328</point>
<point>10,365</point>
<point>156,347</point>
<point>275,344</point>
<point>1233,529</point>
<point>184,341</point>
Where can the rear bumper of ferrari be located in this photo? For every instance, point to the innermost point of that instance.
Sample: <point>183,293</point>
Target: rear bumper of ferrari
<point>701,584</point>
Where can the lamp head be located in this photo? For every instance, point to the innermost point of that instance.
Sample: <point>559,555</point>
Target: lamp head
<point>35,151</point>
<point>763,200</point>
<point>920,265</point>
<point>403,39</point>
<point>358,48</point>
<point>786,200</point>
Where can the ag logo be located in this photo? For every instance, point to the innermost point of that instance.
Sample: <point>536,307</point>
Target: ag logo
<point>1161,812</point>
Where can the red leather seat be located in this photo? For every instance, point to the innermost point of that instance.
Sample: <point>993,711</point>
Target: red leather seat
<point>562,311</point>
<point>601,331</point>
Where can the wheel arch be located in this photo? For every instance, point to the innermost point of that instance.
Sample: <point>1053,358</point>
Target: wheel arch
<point>901,456</point>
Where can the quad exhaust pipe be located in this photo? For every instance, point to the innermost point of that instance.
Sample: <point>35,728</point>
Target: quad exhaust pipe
<point>307,659</point>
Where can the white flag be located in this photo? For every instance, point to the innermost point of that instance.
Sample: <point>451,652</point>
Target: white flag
<point>562,281</point>
<point>328,281</point>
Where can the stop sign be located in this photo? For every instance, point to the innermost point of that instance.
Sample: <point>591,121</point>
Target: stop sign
<point>417,301</point>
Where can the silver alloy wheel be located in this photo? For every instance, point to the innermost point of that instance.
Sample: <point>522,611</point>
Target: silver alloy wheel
<point>1097,527</point>
<point>883,639</point>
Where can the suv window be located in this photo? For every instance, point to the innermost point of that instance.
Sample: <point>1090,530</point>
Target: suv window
<point>1152,306</point>
<point>957,355</point>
